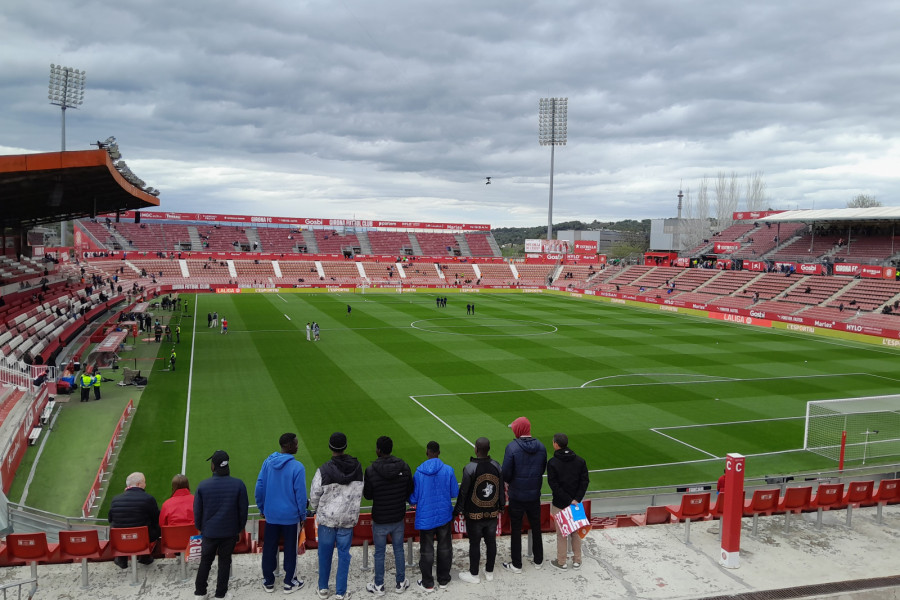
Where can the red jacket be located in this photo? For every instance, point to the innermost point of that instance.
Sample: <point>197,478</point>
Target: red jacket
<point>179,509</point>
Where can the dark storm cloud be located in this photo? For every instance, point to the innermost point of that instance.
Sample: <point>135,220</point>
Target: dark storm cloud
<point>402,108</point>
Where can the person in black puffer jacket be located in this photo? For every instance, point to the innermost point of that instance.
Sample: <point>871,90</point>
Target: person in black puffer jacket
<point>388,484</point>
<point>568,477</point>
<point>135,508</point>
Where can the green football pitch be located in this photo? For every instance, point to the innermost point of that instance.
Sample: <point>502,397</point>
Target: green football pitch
<point>648,398</point>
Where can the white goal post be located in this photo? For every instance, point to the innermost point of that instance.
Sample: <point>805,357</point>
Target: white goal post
<point>872,425</point>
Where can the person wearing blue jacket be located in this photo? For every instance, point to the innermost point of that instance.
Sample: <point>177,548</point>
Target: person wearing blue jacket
<point>281,498</point>
<point>435,487</point>
<point>220,514</point>
<point>524,463</point>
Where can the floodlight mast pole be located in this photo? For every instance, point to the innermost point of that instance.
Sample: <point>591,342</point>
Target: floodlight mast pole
<point>66,91</point>
<point>552,129</point>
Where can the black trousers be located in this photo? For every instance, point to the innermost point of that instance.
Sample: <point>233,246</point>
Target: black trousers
<point>209,549</point>
<point>476,530</point>
<point>444,554</point>
<point>532,510</point>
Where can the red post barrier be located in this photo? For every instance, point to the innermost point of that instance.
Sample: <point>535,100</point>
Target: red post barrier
<point>733,511</point>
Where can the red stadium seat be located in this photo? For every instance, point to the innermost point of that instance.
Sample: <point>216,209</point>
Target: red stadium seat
<point>130,542</point>
<point>888,493</point>
<point>829,496</point>
<point>174,541</point>
<point>655,515</point>
<point>763,502</point>
<point>859,493</point>
<point>244,543</point>
<point>81,545</point>
<point>794,501</point>
<point>29,548</point>
<point>309,526</point>
<point>693,507</point>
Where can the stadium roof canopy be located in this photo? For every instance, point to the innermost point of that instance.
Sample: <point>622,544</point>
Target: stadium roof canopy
<point>880,213</point>
<point>56,186</point>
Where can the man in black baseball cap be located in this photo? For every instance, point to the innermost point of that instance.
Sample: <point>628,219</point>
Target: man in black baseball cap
<point>220,513</point>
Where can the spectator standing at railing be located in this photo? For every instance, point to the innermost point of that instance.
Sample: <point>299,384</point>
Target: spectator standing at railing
<point>335,493</point>
<point>568,478</point>
<point>435,488</point>
<point>220,513</point>
<point>524,463</point>
<point>480,501</point>
<point>281,498</point>
<point>388,483</point>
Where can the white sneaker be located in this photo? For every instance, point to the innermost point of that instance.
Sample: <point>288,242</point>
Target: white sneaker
<point>293,586</point>
<point>489,575</point>
<point>378,590</point>
<point>427,590</point>
<point>402,586</point>
<point>344,596</point>
<point>511,567</point>
<point>468,577</point>
<point>322,593</point>
<point>576,565</point>
<point>537,566</point>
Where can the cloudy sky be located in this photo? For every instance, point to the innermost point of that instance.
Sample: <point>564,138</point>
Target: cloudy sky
<point>399,109</point>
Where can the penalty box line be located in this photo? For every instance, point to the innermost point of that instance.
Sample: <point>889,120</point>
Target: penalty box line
<point>445,423</point>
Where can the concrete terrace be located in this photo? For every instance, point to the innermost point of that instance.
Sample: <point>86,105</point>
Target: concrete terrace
<point>652,563</point>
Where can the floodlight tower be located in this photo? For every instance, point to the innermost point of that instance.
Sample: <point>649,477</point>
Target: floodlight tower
<point>66,91</point>
<point>552,124</point>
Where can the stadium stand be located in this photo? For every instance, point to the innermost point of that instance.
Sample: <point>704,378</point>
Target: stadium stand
<point>865,248</point>
<point>390,242</point>
<point>479,244</point>
<point>342,273</point>
<point>293,271</point>
<point>496,274</point>
<point>280,240</point>
<point>424,273</point>
<point>438,244</point>
<point>534,274</point>
<point>332,242</point>
<point>762,240</point>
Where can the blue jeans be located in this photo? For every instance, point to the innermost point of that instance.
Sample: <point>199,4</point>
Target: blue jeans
<point>380,531</point>
<point>270,552</point>
<point>328,537</point>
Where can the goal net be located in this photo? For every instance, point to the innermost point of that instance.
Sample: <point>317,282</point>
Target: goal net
<point>872,425</point>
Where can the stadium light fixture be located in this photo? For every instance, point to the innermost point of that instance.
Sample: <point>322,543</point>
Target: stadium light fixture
<point>66,91</point>
<point>552,125</point>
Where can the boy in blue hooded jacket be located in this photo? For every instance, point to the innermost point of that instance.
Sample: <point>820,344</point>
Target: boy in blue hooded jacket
<point>435,488</point>
<point>281,498</point>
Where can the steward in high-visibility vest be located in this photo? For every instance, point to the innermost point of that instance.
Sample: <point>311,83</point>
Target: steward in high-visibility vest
<point>97,378</point>
<point>86,383</point>
<point>172,358</point>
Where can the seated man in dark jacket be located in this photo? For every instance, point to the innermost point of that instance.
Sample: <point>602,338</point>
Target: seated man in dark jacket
<point>220,513</point>
<point>134,508</point>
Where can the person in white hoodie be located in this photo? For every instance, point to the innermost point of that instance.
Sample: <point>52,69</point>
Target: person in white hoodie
<point>335,495</point>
